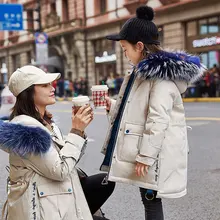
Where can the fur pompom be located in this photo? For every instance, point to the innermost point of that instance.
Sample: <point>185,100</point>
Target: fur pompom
<point>145,12</point>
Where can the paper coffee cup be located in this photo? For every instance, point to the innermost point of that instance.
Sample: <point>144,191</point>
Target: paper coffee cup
<point>99,92</point>
<point>79,102</point>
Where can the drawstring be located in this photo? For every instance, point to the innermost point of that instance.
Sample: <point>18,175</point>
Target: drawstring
<point>5,211</point>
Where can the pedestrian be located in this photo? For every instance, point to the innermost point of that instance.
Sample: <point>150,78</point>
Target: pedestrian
<point>44,182</point>
<point>146,144</point>
<point>66,88</point>
<point>111,83</point>
<point>118,82</point>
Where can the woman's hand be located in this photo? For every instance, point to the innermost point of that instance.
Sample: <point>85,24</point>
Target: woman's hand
<point>82,118</point>
<point>141,169</point>
<point>108,103</point>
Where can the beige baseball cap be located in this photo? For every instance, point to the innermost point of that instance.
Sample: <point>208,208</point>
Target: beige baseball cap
<point>27,76</point>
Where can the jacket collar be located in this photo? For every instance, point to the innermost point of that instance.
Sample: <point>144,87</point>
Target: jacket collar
<point>176,66</point>
<point>24,135</point>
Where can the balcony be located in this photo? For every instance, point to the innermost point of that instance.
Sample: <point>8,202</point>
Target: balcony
<point>13,36</point>
<point>168,2</point>
<point>131,5</point>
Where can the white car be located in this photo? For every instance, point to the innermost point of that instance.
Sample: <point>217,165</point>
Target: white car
<point>7,102</point>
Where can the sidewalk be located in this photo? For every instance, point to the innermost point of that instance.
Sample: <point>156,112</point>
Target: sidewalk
<point>206,99</point>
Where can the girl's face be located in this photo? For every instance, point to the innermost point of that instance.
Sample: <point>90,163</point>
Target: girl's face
<point>134,53</point>
<point>44,95</point>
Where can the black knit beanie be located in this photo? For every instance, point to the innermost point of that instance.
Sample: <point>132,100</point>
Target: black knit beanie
<point>140,28</point>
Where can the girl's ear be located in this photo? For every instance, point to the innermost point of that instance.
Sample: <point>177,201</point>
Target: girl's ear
<point>139,46</point>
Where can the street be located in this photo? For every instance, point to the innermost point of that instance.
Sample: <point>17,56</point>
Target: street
<point>203,199</point>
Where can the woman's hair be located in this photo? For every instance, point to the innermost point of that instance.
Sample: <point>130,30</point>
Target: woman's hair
<point>25,106</point>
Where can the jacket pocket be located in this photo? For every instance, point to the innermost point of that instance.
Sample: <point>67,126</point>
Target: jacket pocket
<point>132,136</point>
<point>55,199</point>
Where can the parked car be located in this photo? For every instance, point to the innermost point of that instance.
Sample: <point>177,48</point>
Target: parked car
<point>7,102</point>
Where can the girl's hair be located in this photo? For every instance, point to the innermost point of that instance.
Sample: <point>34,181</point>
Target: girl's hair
<point>25,106</point>
<point>151,48</point>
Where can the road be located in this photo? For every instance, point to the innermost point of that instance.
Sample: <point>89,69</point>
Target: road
<point>203,199</point>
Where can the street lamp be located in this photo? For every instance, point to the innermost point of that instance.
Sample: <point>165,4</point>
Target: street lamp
<point>4,71</point>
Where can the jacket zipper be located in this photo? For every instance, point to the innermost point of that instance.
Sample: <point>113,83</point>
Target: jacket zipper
<point>120,124</point>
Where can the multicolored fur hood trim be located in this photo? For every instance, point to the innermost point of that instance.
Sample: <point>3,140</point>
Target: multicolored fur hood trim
<point>171,66</point>
<point>23,140</point>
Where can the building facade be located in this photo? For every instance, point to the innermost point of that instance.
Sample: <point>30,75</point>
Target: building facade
<point>77,30</point>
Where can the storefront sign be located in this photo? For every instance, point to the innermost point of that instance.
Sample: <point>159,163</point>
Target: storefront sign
<point>208,41</point>
<point>105,58</point>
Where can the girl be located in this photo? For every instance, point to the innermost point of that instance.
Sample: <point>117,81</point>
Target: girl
<point>44,183</point>
<point>146,144</point>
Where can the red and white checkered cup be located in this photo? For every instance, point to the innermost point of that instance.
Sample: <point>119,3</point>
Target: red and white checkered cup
<point>80,101</point>
<point>99,92</point>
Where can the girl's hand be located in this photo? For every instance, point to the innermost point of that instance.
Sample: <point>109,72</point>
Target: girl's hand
<point>108,103</point>
<point>82,118</point>
<point>141,169</point>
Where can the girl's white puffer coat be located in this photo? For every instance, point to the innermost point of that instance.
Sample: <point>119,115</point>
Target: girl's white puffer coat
<point>152,129</point>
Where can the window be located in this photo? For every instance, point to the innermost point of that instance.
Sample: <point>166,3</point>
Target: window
<point>30,22</point>
<point>2,60</point>
<point>213,26</point>
<point>16,61</point>
<point>208,26</point>
<point>102,45</point>
<point>65,10</point>
<point>204,59</point>
<point>102,6</point>
<point>53,7</point>
<point>203,26</point>
<point>29,57</point>
<point>210,58</point>
<point>191,28</point>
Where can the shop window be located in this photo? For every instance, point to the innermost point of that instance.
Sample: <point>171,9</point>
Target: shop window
<point>191,28</point>
<point>204,59</point>
<point>213,26</point>
<point>203,26</point>
<point>211,58</point>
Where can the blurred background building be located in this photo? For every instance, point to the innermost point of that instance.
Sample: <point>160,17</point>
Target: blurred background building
<point>77,29</point>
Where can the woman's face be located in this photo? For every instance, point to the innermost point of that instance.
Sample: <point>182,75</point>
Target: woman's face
<point>44,95</point>
<point>134,53</point>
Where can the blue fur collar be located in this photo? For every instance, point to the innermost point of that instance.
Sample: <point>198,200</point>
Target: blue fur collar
<point>23,140</point>
<point>171,66</point>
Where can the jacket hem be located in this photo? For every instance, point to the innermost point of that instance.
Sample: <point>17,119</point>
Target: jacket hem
<point>134,183</point>
<point>171,195</point>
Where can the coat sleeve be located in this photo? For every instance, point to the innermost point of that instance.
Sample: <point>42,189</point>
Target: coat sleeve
<point>160,105</point>
<point>113,102</point>
<point>57,165</point>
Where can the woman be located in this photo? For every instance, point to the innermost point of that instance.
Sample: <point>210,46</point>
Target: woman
<point>146,144</point>
<point>44,183</point>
